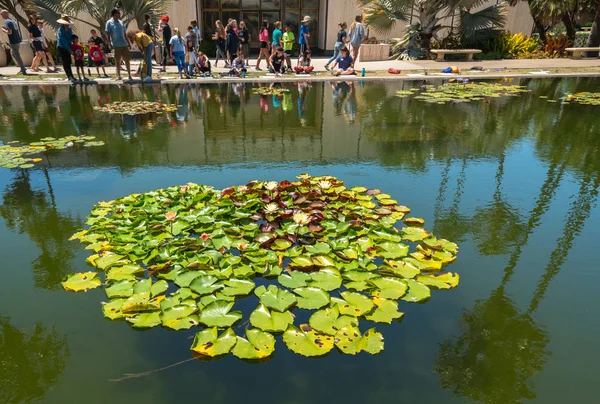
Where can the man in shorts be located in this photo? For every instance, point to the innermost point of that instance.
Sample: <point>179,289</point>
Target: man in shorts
<point>288,44</point>
<point>115,33</point>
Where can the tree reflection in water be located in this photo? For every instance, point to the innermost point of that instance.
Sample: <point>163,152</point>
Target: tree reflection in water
<point>31,361</point>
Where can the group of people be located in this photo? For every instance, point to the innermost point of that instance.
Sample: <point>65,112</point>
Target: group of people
<point>232,45</point>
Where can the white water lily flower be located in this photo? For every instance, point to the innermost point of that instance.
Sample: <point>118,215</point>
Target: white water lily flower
<point>325,184</point>
<point>242,188</point>
<point>301,218</point>
<point>271,208</point>
<point>271,185</point>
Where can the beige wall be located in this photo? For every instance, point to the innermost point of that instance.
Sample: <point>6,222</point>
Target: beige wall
<point>519,19</point>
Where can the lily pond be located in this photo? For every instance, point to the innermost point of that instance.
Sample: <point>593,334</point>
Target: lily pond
<point>300,243</point>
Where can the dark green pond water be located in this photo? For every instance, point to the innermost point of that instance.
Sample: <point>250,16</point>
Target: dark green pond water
<point>514,181</point>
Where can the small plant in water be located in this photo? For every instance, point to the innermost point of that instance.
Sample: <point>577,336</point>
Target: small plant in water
<point>461,90</point>
<point>339,252</point>
<point>136,107</point>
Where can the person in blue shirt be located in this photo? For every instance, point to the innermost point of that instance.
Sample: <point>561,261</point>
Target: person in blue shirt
<point>63,44</point>
<point>343,63</point>
<point>304,35</point>
<point>277,34</point>
<point>115,33</point>
<point>11,29</point>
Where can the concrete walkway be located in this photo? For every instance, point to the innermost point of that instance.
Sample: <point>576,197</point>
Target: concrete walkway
<point>492,69</point>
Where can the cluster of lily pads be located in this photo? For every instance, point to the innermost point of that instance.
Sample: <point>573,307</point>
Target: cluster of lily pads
<point>136,107</point>
<point>270,91</point>
<point>17,155</point>
<point>464,91</point>
<point>181,257</point>
<point>585,98</point>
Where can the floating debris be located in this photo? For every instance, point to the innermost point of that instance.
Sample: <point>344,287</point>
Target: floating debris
<point>136,108</point>
<point>12,155</point>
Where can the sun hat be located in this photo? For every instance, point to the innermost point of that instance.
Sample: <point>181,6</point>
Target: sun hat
<point>64,20</point>
<point>306,18</point>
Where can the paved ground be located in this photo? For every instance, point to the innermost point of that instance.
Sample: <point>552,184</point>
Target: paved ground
<point>493,68</point>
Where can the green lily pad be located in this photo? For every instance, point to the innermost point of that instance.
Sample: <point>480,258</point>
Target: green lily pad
<point>112,310</point>
<point>79,282</point>
<point>218,314</point>
<point>206,285</point>
<point>353,304</point>
<point>350,341</point>
<point>159,288</point>
<point>329,321</point>
<point>311,298</point>
<point>145,320</point>
<point>389,288</point>
<point>275,298</point>
<point>443,281</point>
<point>307,341</point>
<point>294,279</point>
<point>179,317</point>
<point>238,287</point>
<point>414,234</point>
<point>417,292</point>
<point>270,320</point>
<point>385,311</point>
<point>107,261</point>
<point>122,288</point>
<point>327,279</point>
<point>209,343</point>
<point>258,345</point>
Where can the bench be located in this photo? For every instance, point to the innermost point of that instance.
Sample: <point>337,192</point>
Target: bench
<point>442,52</point>
<point>578,52</point>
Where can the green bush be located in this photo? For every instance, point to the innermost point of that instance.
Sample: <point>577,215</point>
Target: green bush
<point>513,45</point>
<point>209,48</point>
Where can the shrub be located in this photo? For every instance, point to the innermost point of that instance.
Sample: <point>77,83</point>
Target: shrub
<point>513,45</point>
<point>556,44</point>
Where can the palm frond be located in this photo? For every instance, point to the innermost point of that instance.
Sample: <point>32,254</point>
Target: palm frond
<point>49,11</point>
<point>382,15</point>
<point>488,18</point>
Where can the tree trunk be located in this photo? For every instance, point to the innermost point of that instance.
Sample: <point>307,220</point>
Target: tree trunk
<point>569,23</point>
<point>539,25</point>
<point>594,39</point>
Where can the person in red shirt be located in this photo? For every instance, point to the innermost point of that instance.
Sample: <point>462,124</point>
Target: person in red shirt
<point>97,57</point>
<point>78,54</point>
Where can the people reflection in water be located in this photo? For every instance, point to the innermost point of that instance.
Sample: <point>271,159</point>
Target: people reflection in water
<point>183,105</point>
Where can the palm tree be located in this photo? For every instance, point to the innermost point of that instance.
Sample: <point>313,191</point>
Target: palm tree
<point>425,20</point>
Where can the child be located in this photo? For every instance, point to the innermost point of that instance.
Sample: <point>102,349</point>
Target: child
<point>203,65</point>
<point>304,66</point>
<point>192,57</point>
<point>288,44</point>
<point>276,61</point>
<point>45,48</point>
<point>97,57</point>
<point>77,51</point>
<point>238,66</point>
<point>244,36</point>
<point>344,63</point>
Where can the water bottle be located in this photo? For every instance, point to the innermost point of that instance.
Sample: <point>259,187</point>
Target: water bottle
<point>243,74</point>
<point>364,72</point>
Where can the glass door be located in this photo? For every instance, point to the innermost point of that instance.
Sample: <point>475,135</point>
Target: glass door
<point>253,24</point>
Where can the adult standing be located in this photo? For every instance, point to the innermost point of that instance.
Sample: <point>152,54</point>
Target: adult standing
<point>357,35</point>
<point>11,29</point>
<point>191,36</point>
<point>276,37</point>
<point>244,36</point>
<point>340,42</point>
<point>35,36</point>
<point>232,43</point>
<point>196,29</point>
<point>219,38</point>
<point>167,34</point>
<point>304,35</point>
<point>263,38</point>
<point>63,44</point>
<point>115,33</point>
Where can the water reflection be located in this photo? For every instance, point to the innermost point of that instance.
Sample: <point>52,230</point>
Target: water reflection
<point>501,345</point>
<point>32,361</point>
<point>33,212</point>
